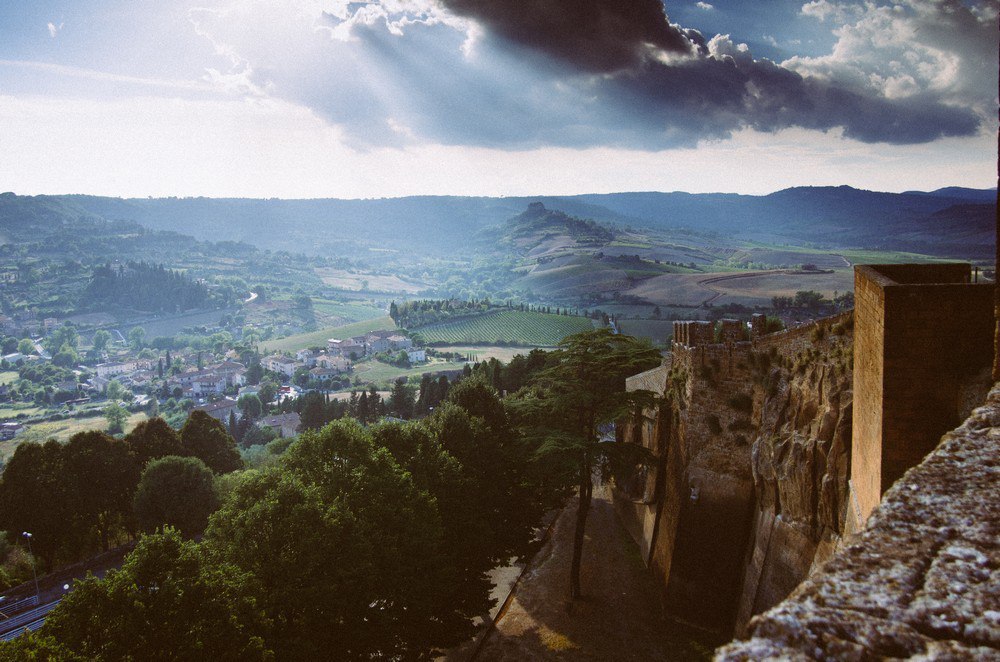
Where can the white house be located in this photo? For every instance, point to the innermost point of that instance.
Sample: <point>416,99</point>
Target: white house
<point>398,342</point>
<point>416,354</point>
<point>281,364</point>
<point>120,368</point>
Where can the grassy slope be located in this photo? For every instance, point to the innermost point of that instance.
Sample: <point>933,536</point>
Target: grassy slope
<point>62,431</point>
<point>512,327</point>
<point>319,338</point>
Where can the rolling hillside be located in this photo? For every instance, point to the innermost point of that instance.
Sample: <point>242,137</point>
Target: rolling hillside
<point>505,327</point>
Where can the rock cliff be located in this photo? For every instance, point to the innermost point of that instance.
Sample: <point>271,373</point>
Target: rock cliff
<point>749,490</point>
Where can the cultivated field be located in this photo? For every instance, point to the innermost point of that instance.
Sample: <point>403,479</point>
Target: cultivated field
<point>348,280</point>
<point>505,327</point>
<point>750,288</point>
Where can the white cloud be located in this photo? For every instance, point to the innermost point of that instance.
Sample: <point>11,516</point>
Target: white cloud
<point>910,48</point>
<point>54,29</point>
<point>704,5</point>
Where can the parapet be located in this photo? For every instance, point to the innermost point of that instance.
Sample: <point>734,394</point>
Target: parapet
<point>700,332</point>
<point>920,581</point>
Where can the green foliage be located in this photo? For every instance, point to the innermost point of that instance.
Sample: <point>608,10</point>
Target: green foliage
<point>26,347</point>
<point>251,406</point>
<point>345,552</point>
<point>116,416</point>
<point>401,400</point>
<point>428,311</point>
<point>178,492</point>
<point>582,389</point>
<point>62,335</point>
<point>137,338</point>
<point>143,286</point>
<point>152,439</point>
<point>72,497</point>
<point>169,601</point>
<point>115,390</point>
<point>101,340</point>
<point>207,439</point>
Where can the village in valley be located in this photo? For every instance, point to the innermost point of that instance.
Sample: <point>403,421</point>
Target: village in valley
<point>121,380</point>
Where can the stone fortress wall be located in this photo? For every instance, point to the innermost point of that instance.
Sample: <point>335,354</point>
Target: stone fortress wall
<point>751,494</point>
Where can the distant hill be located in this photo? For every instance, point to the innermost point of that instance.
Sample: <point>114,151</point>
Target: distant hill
<point>951,221</point>
<point>539,229</point>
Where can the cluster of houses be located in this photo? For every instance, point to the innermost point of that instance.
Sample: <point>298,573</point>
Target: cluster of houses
<point>210,385</point>
<point>339,355</point>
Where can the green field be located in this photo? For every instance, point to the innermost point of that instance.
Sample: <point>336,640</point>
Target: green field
<point>349,311</point>
<point>12,410</point>
<point>8,377</point>
<point>485,352</point>
<point>319,338</point>
<point>505,327</point>
<point>376,372</point>
<point>62,431</point>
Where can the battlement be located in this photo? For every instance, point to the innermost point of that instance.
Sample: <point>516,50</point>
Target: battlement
<point>922,331</point>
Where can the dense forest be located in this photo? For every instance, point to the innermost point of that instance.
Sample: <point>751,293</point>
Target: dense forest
<point>148,287</point>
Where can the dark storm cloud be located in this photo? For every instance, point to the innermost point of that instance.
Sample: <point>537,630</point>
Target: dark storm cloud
<point>586,73</point>
<point>700,89</point>
<point>595,35</point>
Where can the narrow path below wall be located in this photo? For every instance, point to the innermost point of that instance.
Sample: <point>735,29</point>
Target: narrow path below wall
<point>619,617</point>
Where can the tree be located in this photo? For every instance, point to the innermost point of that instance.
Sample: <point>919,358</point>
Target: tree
<point>207,439</point>
<point>116,416</point>
<point>101,340</point>
<point>114,390</point>
<point>344,546</point>
<point>35,496</point>
<point>26,347</point>
<point>268,389</point>
<point>103,476</point>
<point>152,439</point>
<point>178,492</point>
<point>255,371</point>
<point>137,337</point>
<point>251,406</point>
<point>62,335</point>
<point>401,399</point>
<point>581,390</point>
<point>169,601</point>
<point>313,415</point>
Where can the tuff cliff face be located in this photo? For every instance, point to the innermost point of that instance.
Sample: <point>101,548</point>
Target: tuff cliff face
<point>750,486</point>
<point>800,461</point>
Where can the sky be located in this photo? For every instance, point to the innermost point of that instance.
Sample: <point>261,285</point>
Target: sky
<point>330,98</point>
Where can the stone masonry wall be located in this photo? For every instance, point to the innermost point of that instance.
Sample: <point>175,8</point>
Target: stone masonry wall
<point>921,581</point>
<point>749,446</point>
